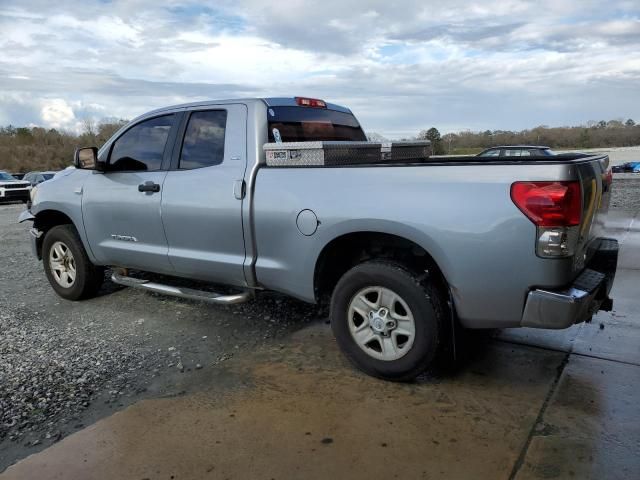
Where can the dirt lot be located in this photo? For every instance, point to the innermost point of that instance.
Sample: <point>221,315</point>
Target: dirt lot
<point>260,390</point>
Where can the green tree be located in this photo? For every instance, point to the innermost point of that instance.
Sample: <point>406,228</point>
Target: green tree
<point>630,123</point>
<point>433,135</point>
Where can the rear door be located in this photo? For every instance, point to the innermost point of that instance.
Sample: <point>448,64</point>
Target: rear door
<point>202,196</point>
<point>121,207</point>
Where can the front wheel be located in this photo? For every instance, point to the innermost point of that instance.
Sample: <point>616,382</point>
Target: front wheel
<point>67,266</point>
<point>387,320</point>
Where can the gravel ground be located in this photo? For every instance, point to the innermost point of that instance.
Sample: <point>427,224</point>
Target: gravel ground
<point>66,364</point>
<point>52,372</point>
<point>49,376</point>
<point>626,192</point>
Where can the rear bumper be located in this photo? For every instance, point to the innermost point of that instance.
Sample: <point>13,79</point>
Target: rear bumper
<point>579,301</point>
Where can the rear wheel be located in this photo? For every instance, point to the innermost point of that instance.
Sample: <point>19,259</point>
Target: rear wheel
<point>67,266</point>
<point>387,320</point>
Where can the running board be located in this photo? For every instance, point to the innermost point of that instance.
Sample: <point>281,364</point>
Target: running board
<point>182,292</point>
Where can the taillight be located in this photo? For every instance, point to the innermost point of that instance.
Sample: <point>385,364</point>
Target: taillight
<point>310,102</point>
<point>607,179</point>
<point>549,204</point>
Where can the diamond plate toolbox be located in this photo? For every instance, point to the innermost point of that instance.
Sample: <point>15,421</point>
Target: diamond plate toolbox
<point>405,151</point>
<point>318,154</point>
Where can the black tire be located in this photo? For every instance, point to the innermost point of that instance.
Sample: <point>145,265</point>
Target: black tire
<point>88,277</point>
<point>426,304</point>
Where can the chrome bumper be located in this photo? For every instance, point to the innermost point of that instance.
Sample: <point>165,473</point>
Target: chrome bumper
<point>578,302</point>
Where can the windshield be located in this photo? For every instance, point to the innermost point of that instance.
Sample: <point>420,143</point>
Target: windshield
<point>304,124</point>
<point>5,176</point>
<point>47,176</point>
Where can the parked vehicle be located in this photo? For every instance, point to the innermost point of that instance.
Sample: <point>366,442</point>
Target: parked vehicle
<point>36,178</point>
<point>628,167</point>
<point>12,189</point>
<point>517,151</point>
<point>404,249</point>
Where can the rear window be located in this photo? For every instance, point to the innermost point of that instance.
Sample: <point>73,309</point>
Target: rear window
<point>303,124</point>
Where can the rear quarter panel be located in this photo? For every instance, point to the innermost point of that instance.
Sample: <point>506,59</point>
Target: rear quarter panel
<point>461,214</point>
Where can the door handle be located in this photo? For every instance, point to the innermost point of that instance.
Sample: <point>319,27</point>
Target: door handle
<point>148,187</point>
<point>239,189</point>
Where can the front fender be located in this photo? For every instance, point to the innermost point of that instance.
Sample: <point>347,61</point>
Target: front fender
<point>26,216</point>
<point>63,195</point>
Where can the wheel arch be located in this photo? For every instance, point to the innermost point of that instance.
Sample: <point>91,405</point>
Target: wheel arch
<point>349,249</point>
<point>45,220</point>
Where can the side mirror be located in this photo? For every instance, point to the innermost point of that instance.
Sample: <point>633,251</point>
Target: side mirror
<point>87,159</point>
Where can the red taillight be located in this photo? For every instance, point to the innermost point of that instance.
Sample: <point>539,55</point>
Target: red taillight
<point>310,102</point>
<point>549,204</point>
<point>607,177</point>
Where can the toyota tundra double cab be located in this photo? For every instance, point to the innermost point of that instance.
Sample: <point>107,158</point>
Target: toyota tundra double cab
<point>285,194</point>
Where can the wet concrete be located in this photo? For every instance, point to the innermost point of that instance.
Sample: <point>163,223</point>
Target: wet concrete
<point>591,428</point>
<point>529,404</point>
<point>302,412</point>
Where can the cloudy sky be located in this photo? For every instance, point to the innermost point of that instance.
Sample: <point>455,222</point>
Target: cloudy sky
<point>401,66</point>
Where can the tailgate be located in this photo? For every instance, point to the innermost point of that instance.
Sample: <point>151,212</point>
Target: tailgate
<point>595,177</point>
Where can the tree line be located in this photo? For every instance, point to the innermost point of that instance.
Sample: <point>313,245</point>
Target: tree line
<point>614,133</point>
<point>24,149</point>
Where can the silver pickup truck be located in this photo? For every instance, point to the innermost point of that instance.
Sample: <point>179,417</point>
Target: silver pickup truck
<point>404,249</point>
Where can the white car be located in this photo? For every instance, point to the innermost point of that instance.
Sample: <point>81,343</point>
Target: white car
<point>12,189</point>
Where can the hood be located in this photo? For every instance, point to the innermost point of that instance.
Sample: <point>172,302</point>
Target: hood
<point>14,182</point>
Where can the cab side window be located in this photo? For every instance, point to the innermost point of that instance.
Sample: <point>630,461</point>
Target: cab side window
<point>141,148</point>
<point>203,144</point>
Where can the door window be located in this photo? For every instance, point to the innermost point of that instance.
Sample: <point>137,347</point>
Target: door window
<point>142,146</point>
<point>203,144</point>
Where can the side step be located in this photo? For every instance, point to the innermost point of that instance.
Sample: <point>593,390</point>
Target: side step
<point>182,292</point>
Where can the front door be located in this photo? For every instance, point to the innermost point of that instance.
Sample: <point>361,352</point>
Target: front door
<point>202,195</point>
<point>121,207</point>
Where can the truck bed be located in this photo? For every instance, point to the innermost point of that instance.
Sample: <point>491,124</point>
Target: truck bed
<point>462,216</point>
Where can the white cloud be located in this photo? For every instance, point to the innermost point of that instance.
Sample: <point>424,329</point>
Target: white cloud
<point>491,64</point>
<point>57,113</point>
